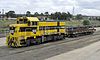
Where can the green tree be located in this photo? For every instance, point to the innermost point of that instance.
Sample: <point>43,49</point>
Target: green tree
<point>69,15</point>
<point>79,16</point>
<point>61,16</point>
<point>28,13</point>
<point>11,14</point>
<point>46,13</point>
<point>58,15</point>
<point>64,16</point>
<point>86,22</point>
<point>36,14</point>
<point>42,14</point>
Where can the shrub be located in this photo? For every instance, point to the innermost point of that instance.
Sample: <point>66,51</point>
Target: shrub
<point>86,22</point>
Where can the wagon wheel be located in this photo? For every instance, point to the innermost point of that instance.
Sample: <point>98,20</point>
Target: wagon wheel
<point>69,36</point>
<point>38,41</point>
<point>15,45</point>
<point>27,43</point>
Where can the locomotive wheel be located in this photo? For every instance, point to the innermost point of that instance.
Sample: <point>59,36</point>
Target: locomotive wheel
<point>69,36</point>
<point>15,45</point>
<point>76,35</point>
<point>62,37</point>
<point>38,41</point>
<point>58,37</point>
<point>10,43</point>
<point>54,38</point>
<point>27,43</point>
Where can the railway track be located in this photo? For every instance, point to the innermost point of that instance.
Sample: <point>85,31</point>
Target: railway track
<point>4,51</point>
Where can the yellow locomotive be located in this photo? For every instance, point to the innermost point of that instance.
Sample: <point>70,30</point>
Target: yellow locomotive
<point>31,30</point>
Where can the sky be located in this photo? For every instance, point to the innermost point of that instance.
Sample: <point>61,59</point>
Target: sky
<point>84,7</point>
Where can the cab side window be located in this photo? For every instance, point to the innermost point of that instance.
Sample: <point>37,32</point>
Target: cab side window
<point>34,23</point>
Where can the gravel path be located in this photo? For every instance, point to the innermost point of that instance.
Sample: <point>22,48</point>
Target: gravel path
<point>91,52</point>
<point>97,29</point>
<point>2,41</point>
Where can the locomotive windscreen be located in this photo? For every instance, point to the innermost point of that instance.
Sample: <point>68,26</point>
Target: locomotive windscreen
<point>27,29</point>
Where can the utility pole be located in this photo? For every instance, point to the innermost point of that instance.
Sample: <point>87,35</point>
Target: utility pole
<point>73,12</point>
<point>2,14</point>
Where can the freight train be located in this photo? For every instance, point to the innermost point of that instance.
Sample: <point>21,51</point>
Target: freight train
<point>32,30</point>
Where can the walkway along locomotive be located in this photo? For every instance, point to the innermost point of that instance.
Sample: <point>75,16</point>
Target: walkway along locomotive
<point>31,30</point>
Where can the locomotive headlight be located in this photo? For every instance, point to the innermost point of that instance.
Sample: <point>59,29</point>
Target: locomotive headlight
<point>34,31</point>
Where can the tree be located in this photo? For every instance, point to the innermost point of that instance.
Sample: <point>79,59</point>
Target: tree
<point>64,16</point>
<point>42,14</point>
<point>61,16</point>
<point>69,15</point>
<point>36,14</point>
<point>46,13</point>
<point>86,22</point>
<point>11,14</point>
<point>28,13</point>
<point>78,16</point>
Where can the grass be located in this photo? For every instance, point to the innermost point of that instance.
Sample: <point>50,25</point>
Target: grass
<point>73,23</point>
<point>95,23</point>
<point>80,23</point>
<point>4,24</point>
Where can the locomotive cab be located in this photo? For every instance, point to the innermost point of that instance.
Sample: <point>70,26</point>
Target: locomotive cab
<point>18,33</point>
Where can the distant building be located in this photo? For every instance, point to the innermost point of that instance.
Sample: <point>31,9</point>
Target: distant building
<point>91,17</point>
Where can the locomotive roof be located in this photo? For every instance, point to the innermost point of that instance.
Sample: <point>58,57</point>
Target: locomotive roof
<point>38,19</point>
<point>29,18</point>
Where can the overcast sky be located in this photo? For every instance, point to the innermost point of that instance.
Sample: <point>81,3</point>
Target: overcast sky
<point>85,7</point>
